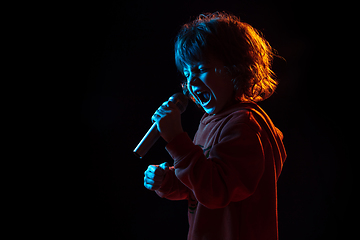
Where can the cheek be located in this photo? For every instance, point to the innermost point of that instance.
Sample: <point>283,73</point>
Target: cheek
<point>191,93</point>
<point>225,91</point>
<point>221,84</point>
<point>229,86</point>
<point>213,81</point>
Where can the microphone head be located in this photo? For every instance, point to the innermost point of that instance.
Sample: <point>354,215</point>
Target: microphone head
<point>180,100</point>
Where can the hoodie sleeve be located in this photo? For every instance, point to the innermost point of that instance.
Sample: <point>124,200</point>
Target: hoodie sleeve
<point>172,188</point>
<point>232,171</point>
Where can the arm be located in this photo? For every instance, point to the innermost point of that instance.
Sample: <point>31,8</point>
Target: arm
<point>162,179</point>
<point>172,188</point>
<point>232,171</point>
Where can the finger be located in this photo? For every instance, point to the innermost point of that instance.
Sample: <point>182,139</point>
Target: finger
<point>152,168</point>
<point>172,105</point>
<point>156,170</point>
<point>149,175</point>
<point>155,178</point>
<point>159,172</point>
<point>151,186</point>
<point>164,166</point>
<point>160,113</point>
<point>156,117</point>
<point>152,182</point>
<point>148,186</point>
<point>165,104</point>
<point>163,111</point>
<point>149,181</point>
<point>169,105</point>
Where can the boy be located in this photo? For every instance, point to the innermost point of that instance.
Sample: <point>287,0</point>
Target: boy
<point>228,173</point>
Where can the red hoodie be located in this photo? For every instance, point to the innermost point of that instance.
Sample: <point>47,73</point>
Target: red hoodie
<point>228,174</point>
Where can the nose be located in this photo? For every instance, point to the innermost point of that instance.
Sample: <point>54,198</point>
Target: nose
<point>193,79</point>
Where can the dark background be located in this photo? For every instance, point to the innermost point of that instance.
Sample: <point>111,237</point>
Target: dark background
<point>127,71</point>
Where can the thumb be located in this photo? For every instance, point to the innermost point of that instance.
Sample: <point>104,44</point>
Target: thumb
<point>165,166</point>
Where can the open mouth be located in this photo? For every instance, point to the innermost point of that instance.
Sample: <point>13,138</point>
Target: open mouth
<point>204,97</point>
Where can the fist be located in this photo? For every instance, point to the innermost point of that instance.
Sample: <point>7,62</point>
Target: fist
<point>154,176</point>
<point>168,120</point>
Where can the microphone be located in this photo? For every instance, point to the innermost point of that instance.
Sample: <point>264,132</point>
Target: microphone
<point>153,134</point>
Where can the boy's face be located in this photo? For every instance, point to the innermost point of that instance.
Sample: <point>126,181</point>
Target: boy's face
<point>212,89</point>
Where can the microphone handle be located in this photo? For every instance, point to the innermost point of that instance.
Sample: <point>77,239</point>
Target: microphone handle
<point>147,142</point>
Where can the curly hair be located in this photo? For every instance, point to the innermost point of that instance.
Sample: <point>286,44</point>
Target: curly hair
<point>246,55</point>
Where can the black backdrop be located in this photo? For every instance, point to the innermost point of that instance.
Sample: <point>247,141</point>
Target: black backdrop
<point>128,71</point>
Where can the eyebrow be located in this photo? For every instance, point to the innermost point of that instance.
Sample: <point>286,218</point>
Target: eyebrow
<point>186,66</point>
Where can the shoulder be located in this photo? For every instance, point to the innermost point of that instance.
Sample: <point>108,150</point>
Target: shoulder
<point>242,118</point>
<point>240,125</point>
<point>233,119</point>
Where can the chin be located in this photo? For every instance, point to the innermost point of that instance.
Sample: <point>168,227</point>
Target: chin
<point>210,111</point>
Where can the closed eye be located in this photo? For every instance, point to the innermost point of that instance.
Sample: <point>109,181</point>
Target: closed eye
<point>203,70</point>
<point>186,74</point>
<point>199,69</point>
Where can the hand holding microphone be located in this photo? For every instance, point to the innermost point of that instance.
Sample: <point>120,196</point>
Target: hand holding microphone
<point>167,123</point>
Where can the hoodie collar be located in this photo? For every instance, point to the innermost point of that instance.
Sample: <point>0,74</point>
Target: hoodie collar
<point>207,118</point>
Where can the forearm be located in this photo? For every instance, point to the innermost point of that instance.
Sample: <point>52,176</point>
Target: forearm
<point>172,188</point>
<point>224,176</point>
